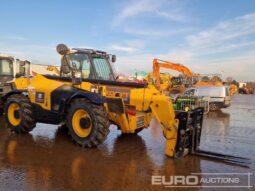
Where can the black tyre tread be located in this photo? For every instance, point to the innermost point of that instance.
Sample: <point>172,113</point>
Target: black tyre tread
<point>101,118</point>
<point>28,122</point>
<point>138,130</point>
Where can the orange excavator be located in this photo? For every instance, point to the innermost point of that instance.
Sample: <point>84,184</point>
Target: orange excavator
<point>233,89</point>
<point>157,64</point>
<point>176,84</point>
<point>208,80</point>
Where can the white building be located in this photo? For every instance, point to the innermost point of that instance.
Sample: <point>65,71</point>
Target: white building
<point>241,85</point>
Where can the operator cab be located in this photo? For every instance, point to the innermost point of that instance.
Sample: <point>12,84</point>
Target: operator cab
<point>80,64</point>
<point>86,64</point>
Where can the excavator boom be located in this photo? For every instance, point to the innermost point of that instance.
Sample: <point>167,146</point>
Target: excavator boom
<point>157,64</point>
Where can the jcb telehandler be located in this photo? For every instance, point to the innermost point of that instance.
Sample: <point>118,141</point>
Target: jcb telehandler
<point>88,98</point>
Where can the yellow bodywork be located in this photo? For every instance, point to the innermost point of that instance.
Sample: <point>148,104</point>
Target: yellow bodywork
<point>37,84</point>
<point>165,81</point>
<point>53,69</point>
<point>139,105</point>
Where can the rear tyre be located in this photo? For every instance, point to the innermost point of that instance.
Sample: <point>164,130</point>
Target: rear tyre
<point>88,123</point>
<point>214,107</point>
<point>19,114</point>
<point>1,106</point>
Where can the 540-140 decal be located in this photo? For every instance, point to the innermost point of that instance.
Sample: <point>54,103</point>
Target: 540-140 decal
<point>121,92</point>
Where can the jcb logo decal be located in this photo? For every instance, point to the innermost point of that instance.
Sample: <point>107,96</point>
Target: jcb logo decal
<point>39,97</point>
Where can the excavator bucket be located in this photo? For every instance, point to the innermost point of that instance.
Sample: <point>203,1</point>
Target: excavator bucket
<point>189,136</point>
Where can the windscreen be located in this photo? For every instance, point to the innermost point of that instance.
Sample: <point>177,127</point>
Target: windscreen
<point>102,67</point>
<point>6,67</point>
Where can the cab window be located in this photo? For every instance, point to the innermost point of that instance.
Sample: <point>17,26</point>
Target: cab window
<point>102,67</point>
<point>81,62</point>
<point>6,67</point>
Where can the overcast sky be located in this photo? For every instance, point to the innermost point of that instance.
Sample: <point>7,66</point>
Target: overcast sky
<point>208,36</point>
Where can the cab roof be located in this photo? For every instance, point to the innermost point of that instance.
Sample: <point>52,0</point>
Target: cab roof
<point>92,51</point>
<point>6,56</point>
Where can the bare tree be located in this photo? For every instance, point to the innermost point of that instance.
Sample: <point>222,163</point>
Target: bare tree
<point>229,79</point>
<point>216,79</point>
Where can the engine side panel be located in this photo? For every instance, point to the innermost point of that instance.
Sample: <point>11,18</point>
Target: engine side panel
<point>40,89</point>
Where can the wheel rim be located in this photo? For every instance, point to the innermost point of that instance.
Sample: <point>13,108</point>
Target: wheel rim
<point>13,114</point>
<point>81,123</point>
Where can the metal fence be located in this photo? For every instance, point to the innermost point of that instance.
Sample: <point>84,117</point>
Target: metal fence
<point>183,102</point>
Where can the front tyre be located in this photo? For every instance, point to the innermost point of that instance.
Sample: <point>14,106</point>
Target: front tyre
<point>19,114</point>
<point>88,123</point>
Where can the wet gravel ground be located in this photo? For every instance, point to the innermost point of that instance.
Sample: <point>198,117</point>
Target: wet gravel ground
<point>46,159</point>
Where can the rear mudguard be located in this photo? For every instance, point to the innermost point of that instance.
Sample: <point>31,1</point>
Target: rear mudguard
<point>4,98</point>
<point>12,93</point>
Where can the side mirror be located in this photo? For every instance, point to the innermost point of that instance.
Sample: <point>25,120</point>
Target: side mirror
<point>113,58</point>
<point>76,79</point>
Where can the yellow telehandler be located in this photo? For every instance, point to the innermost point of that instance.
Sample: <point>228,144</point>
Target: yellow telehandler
<point>87,97</point>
